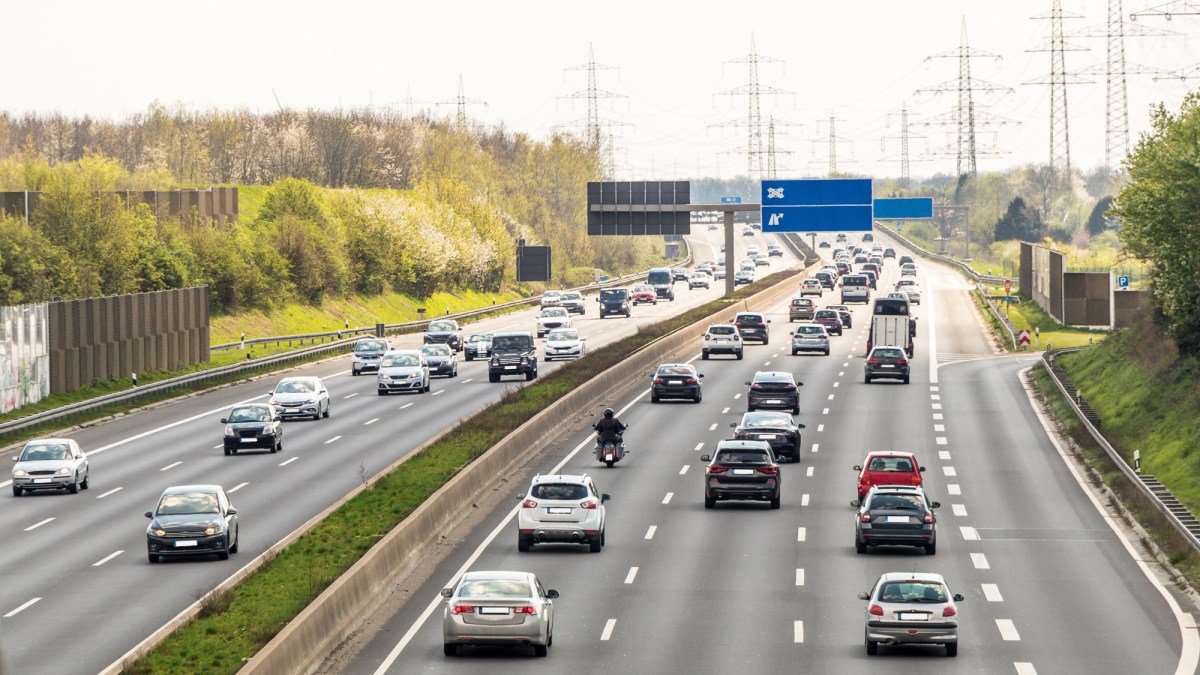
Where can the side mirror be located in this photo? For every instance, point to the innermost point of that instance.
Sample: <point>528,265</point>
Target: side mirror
<point>958,597</point>
<point>149,514</point>
<point>231,512</point>
<point>447,592</point>
<point>747,383</point>
<point>552,594</point>
<point>800,426</point>
<point>855,503</point>
<point>520,495</point>
<point>857,467</point>
<point>864,596</point>
<point>799,384</point>
<point>934,505</point>
<point>224,421</point>
<point>271,391</point>
<point>605,497</point>
<point>922,468</point>
<point>700,375</point>
<point>278,418</point>
<point>733,425</point>
<point>768,321</point>
<point>705,458</point>
<point>16,458</point>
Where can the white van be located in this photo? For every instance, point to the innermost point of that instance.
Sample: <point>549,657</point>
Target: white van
<point>855,288</point>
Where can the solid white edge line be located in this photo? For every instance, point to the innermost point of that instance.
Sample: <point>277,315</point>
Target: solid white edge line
<point>1189,656</point>
<point>608,629</point>
<point>21,608</point>
<point>501,526</point>
<point>106,558</point>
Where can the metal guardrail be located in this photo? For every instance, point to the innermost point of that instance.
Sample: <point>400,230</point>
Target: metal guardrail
<point>962,267</point>
<point>1164,502</point>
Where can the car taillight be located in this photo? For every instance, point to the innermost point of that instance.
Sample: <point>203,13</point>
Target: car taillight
<point>525,609</point>
<point>707,336</point>
<point>875,610</point>
<point>790,387</point>
<point>756,386</point>
<point>949,611</point>
<point>873,361</point>
<point>735,337</point>
<point>717,469</point>
<point>769,470</point>
<point>658,380</point>
<point>589,504</point>
<point>902,362</point>
<point>690,381</point>
<point>866,517</point>
<point>462,609</point>
<point>915,478</point>
<point>928,518</point>
<point>529,504</point>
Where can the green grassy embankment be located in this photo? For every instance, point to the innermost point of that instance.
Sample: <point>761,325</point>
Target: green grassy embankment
<point>1027,315</point>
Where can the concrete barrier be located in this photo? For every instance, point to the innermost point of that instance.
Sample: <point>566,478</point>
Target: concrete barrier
<point>312,635</point>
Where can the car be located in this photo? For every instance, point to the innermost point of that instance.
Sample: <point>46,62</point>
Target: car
<point>722,248</point>
<point>895,515</point>
<point>876,260</point>
<point>698,280</point>
<point>860,259</point>
<point>751,251</point>
<point>441,360</point>
<point>774,250</point>
<point>564,343</point>
<point>614,301</point>
<point>679,274</point>
<point>812,287</point>
<point>721,338</point>
<point>889,253</point>
<point>872,278</point>
<point>252,425</point>
<point>477,346</point>
<point>762,260</point>
<point>643,293</point>
<point>747,231</point>
<point>741,469</point>
<point>901,284</point>
<point>888,467</point>
<point>444,332</point>
<point>872,267</point>
<point>911,608</point>
<point>501,608</point>
<point>855,287</point>
<point>801,309</point>
<point>824,243</point>
<point>192,520</point>
<point>663,281</point>
<point>551,299</point>
<point>843,313</point>
<point>551,318</point>
<point>868,237</point>
<point>572,301</point>
<point>843,267</point>
<point>747,264</point>
<point>705,267</point>
<point>743,276</point>
<point>886,361</point>
<point>513,354</point>
<point>897,295</point>
<point>831,319</point>
<point>827,278</point>
<point>841,237</point>
<point>712,227</point>
<point>676,380</point>
<point>908,270</point>
<point>913,291</point>
<point>773,389</point>
<point>904,259</point>
<point>810,337</point>
<point>402,370</point>
<point>367,352</point>
<point>302,396</point>
<point>753,326</point>
<point>50,464</point>
<point>719,273</point>
<point>561,508</point>
<point>777,429</point>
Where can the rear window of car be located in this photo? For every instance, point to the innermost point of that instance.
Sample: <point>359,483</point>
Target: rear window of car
<point>887,500</point>
<point>901,464</point>
<point>559,491</point>
<point>826,314</point>
<point>772,377</point>
<point>801,302</point>
<point>810,330</point>
<point>888,354</point>
<point>855,280</point>
<point>659,277</point>
<point>487,588</point>
<point>749,318</point>
<point>721,330</point>
<point>743,457</point>
<point>912,591</point>
<point>773,420</point>
<point>676,370</point>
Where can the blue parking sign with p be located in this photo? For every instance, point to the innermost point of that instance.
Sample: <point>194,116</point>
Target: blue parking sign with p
<point>1123,281</point>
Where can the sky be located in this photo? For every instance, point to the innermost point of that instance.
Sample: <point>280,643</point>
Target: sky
<point>857,62</point>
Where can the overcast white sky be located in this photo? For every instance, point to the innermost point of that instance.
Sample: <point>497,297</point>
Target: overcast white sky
<point>858,61</point>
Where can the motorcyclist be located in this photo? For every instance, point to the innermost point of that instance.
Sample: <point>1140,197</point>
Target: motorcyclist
<point>609,428</point>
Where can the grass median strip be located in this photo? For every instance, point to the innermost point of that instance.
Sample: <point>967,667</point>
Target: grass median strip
<point>233,626</point>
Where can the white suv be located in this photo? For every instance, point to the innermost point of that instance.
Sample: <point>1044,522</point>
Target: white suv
<point>561,509</point>
<point>721,338</point>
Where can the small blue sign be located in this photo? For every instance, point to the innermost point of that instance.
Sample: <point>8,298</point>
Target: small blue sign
<point>1123,281</point>
<point>731,200</point>
<point>817,205</point>
<point>904,209</point>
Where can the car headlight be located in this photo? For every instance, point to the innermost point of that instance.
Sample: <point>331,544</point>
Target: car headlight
<point>495,361</point>
<point>230,432</point>
<point>210,530</point>
<point>310,401</point>
<point>65,471</point>
<point>160,532</point>
<point>414,375</point>
<point>272,402</point>
<point>19,473</point>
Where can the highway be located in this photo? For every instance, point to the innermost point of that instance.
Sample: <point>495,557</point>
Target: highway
<point>78,591</point>
<point>1051,585</point>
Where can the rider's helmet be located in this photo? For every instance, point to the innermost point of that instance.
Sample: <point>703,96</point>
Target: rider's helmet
<point>608,413</point>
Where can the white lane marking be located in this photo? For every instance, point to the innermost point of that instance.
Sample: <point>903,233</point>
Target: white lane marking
<point>106,558</point>
<point>830,397</point>
<point>469,379</point>
<point>683,470</point>
<point>802,534</point>
<point>959,510</point>
<point>980,561</point>
<point>699,445</point>
<point>713,428</point>
<point>631,576</point>
<point>1024,668</point>
<point>937,406</point>
<point>800,576</point>
<point>944,455</point>
<point>1008,631</point>
<point>804,499</point>
<point>798,631</point>
<point>110,492</point>
<point>405,406</point>
<point>937,416</point>
<point>841,373</point>
<point>237,487</point>
<point>991,593</point>
<point>25,606</point>
<point>954,488</point>
<point>332,440</point>
<point>667,499</point>
<point>941,440</point>
<point>736,396</point>
<point>37,525</point>
<point>350,395</point>
<point>949,471</point>
<point>933,388</point>
<point>835,384</point>
<point>725,411</point>
<point>969,533</point>
<point>935,397</point>
<point>844,365</point>
<point>766,363</point>
<point>939,427</point>
<point>371,421</point>
<point>608,629</point>
<point>820,427</point>
<point>815,447</point>
<point>171,466</point>
<point>217,447</point>
<point>809,473</point>
<point>438,392</point>
<point>825,411</point>
<point>285,463</point>
<point>650,532</point>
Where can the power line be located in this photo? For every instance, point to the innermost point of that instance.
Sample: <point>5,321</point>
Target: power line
<point>1058,79</point>
<point>461,102</point>
<point>756,156</point>
<point>594,131</point>
<point>831,140</point>
<point>904,137</point>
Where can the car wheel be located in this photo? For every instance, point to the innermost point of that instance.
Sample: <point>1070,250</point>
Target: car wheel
<point>739,355</point>
<point>493,377</point>
<point>794,352</point>
<point>867,379</point>
<point>152,557</point>
<point>775,503</point>
<point>228,452</point>
<point>860,546</point>
<point>595,544</point>
<point>73,487</point>
<point>796,409</point>
<point>237,540</point>
<point>653,398</point>
<point>540,650</point>
<point>16,491</point>
<point>602,538</point>
<point>931,549</point>
<point>951,649</point>
<point>872,647</point>
<point>524,544</point>
<point>84,485</point>
<point>449,649</point>
<point>697,398</point>
<point>381,392</point>
<point>704,355</point>
<point>276,447</point>
<point>326,415</point>
<point>766,340</point>
<point>710,503</point>
<point>530,375</point>
<point>905,379</point>
<point>826,352</point>
<point>224,555</point>
<point>428,385</point>
<point>750,408</point>
<point>355,373</point>
<point>317,415</point>
<point>469,357</point>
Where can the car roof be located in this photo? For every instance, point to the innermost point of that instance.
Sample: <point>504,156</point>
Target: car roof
<point>732,444</point>
<point>179,489</point>
<point>914,575</point>
<point>409,352</point>
<point>581,479</point>
<point>514,576</point>
<point>773,373</point>
<point>890,453</point>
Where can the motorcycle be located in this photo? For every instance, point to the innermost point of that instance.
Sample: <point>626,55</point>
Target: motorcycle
<point>610,452</point>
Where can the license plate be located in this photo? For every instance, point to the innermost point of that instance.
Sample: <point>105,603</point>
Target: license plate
<point>185,543</point>
<point>773,401</point>
<point>510,367</point>
<point>912,616</point>
<point>897,519</point>
<point>674,381</point>
<point>560,510</point>
<point>768,437</point>
<point>811,340</point>
<point>493,610</point>
<point>249,440</point>
<point>38,481</point>
<point>721,340</point>
<point>887,365</point>
<point>743,472</point>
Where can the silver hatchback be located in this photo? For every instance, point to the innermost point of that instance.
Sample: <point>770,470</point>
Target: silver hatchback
<point>810,338</point>
<point>50,464</point>
<point>498,608</point>
<point>911,608</point>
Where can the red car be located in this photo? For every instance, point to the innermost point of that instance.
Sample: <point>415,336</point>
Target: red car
<point>644,293</point>
<point>831,319</point>
<point>888,468</point>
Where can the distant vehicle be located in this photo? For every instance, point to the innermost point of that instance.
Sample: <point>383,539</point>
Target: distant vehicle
<point>676,380</point>
<point>367,352</point>
<point>886,362</point>
<point>831,319</point>
<point>514,354</point>
<point>904,259</point>
<point>698,280</point>
<point>844,312</point>
<point>252,425</point>
<point>747,231</point>
<point>913,292</point>
<point>751,252</point>
<point>441,360</point>
<point>302,396</point>
<point>812,287</point>
<point>810,337</point>
<point>721,338</point>
<point>868,237</point>
<point>445,332</point>
<point>773,389</point>
<point>402,370</point>
<point>712,226</point>
<point>478,346</point>
<point>855,288</point>
<point>551,298</point>
<point>551,318</point>
<point>774,250</point>
<point>744,276</point>
<point>753,326</point>
<point>572,301</point>
<point>644,293</point>
<point>801,309</point>
<point>719,273</point>
<point>741,470</point>
<point>498,608</point>
<point>827,278</point>
<point>614,301</point>
<point>824,244</point>
<point>663,281</point>
<point>561,509</point>
<point>679,274</point>
<point>911,608</point>
<point>889,253</point>
<point>888,467</point>
<point>895,515</point>
<point>777,429</point>
<point>50,464</point>
<point>562,343</point>
<point>192,520</point>
<point>908,270</point>
<point>891,325</point>
<point>841,237</point>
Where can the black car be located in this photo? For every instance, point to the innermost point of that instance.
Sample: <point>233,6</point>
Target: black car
<point>512,354</point>
<point>741,470</point>
<point>444,332</point>
<point>777,429</point>
<point>824,244</point>
<point>441,360</point>
<point>827,278</point>
<point>253,425</point>
<point>889,253</point>
<point>478,346</point>
<point>886,362</point>
<point>676,380</point>
<point>868,237</point>
<point>895,515</point>
<point>614,301</point>
<point>904,259</point>
<point>773,389</point>
<point>752,326</point>
<point>192,520</point>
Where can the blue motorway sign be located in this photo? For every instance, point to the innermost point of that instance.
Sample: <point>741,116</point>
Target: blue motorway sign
<point>817,205</point>
<point>731,200</point>
<point>904,209</point>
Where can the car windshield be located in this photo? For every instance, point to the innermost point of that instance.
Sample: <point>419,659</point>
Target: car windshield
<point>187,503</point>
<point>554,312</point>
<point>559,491</point>
<point>436,350</point>
<point>826,314</point>
<point>480,338</point>
<point>675,370</point>
<point>901,464</point>
<point>551,294</point>
<point>912,591</point>
<point>612,293</point>
<point>371,346</point>
<point>743,457</point>
<point>773,420</point>
<point>400,361</point>
<point>810,330</point>
<point>564,336</point>
<point>643,288</point>
<point>506,342</point>
<point>494,588</point>
<point>295,387</point>
<point>255,414</point>
<point>896,501</point>
<point>44,453</point>
<point>721,330</point>
<point>659,278</point>
<point>442,326</point>
<point>571,296</point>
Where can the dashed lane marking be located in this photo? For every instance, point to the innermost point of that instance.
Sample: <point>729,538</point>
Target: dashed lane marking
<point>941,440</point>
<point>371,421</point>
<point>608,629</point>
<point>667,499</point>
<point>830,397</point>
<point>289,461</point>
<point>106,558</point>
<point>1024,668</point>
<point>683,470</point>
<point>804,499</point>
<point>937,416</point>
<point>350,395</point>
<point>954,488</point>
<point>809,473</point>
<point>949,471</point>
<point>959,510</point>
<point>23,607</point>
<point>712,428</point>
<point>332,440</point>
<point>110,492</point>
<point>798,631</point>
<point>801,534</point>
<point>632,575</point>
<point>937,406</point>
<point>699,446</point>
<point>39,524</point>
<point>800,576</point>
<point>815,446</point>
<point>1008,631</point>
<point>438,392</point>
<point>980,561</point>
<point>991,593</point>
<point>944,455</point>
<point>239,486</point>
<point>820,427</point>
<point>469,379</point>
<point>969,533</point>
<point>171,466</point>
<point>406,405</point>
<point>736,396</point>
<point>825,411</point>
<point>725,411</point>
<point>650,532</point>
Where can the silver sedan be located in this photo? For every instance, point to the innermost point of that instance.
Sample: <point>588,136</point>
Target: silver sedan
<point>498,608</point>
<point>50,464</point>
<point>911,608</point>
